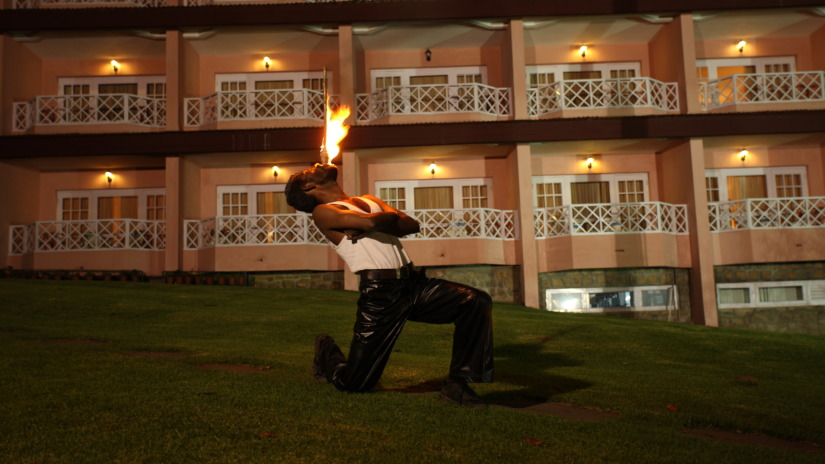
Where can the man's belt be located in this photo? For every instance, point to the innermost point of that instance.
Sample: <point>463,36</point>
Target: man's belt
<point>386,274</point>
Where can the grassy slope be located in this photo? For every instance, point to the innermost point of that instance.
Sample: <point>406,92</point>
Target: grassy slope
<point>73,403</point>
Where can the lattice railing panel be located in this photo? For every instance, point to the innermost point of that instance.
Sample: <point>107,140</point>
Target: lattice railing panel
<point>255,230</point>
<point>109,234</point>
<point>22,116</point>
<point>464,223</point>
<point>739,89</point>
<point>57,110</point>
<point>21,239</point>
<point>433,99</point>
<point>256,105</point>
<point>610,218</point>
<point>602,94</point>
<point>767,213</point>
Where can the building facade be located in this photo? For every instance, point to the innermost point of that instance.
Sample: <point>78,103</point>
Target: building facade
<point>661,164</point>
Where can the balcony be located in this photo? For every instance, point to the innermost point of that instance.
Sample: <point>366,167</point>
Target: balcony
<point>77,110</point>
<point>256,105</point>
<point>256,230</point>
<point>602,94</point>
<point>460,99</point>
<point>767,213</point>
<point>87,235</point>
<point>612,235</point>
<point>767,88</point>
<point>34,4</point>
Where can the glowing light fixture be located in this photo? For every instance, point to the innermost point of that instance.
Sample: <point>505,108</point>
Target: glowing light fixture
<point>432,168</point>
<point>583,50</point>
<point>428,54</point>
<point>275,171</point>
<point>109,177</point>
<point>115,65</point>
<point>741,46</point>
<point>743,155</point>
<point>589,162</point>
<point>267,63</point>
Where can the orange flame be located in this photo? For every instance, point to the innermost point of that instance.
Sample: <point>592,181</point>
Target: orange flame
<point>334,132</point>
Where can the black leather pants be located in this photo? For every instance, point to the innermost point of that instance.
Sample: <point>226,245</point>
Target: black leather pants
<point>384,307</point>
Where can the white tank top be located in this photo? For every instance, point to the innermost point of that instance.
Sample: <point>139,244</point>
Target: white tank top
<point>376,250</point>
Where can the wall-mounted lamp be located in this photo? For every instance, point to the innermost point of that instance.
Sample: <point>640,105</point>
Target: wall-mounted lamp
<point>275,171</point>
<point>743,155</point>
<point>589,162</point>
<point>432,168</point>
<point>428,54</point>
<point>115,65</point>
<point>741,46</point>
<point>267,63</point>
<point>109,177</point>
<point>583,50</point>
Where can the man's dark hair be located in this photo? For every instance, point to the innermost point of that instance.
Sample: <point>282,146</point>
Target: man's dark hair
<point>296,197</point>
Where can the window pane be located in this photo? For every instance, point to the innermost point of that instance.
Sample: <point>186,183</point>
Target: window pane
<point>734,295</point>
<point>566,301</point>
<point>611,300</point>
<point>712,188</point>
<point>743,187</point>
<point>778,294</point>
<point>659,297</point>
<point>272,203</point>
<point>433,197</point>
<point>589,192</point>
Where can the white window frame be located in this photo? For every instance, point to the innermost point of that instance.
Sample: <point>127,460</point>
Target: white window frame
<point>410,185</point>
<point>94,195</point>
<point>297,78</point>
<point>813,293</point>
<point>770,174</point>
<point>612,179</point>
<point>558,70</point>
<point>95,81</point>
<point>637,298</point>
<point>406,73</point>
<point>250,190</point>
<point>759,62</point>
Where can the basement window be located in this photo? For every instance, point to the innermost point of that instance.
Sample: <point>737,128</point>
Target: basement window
<point>612,299</point>
<point>770,294</point>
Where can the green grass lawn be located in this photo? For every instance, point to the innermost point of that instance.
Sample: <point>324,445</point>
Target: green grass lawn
<point>76,389</point>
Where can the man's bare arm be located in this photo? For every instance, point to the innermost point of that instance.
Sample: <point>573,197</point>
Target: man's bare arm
<point>336,222</point>
<point>405,225</point>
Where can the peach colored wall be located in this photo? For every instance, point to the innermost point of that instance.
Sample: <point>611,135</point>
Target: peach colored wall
<point>55,69</point>
<point>495,168</point>
<point>817,50</point>
<point>459,252</point>
<point>277,258</point>
<point>441,58</point>
<point>18,202</point>
<point>811,157</point>
<point>191,73</point>
<point>768,246</point>
<point>52,182</point>
<point>296,62</point>
<point>150,262</point>
<point>613,251</point>
<point>211,178</point>
<point>625,52</point>
<point>785,46</point>
<point>666,53</point>
<point>191,188</point>
<point>567,164</point>
<point>18,63</point>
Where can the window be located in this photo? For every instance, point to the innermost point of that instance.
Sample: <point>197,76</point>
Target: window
<point>148,86</point>
<point>111,204</point>
<point>436,194</point>
<point>744,183</point>
<point>245,200</point>
<point>548,74</point>
<point>550,191</point>
<point>614,299</point>
<point>723,67</point>
<point>428,76</point>
<point>770,294</point>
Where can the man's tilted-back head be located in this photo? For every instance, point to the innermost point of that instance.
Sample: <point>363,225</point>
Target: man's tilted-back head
<point>300,184</point>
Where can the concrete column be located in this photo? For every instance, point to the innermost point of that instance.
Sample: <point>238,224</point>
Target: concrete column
<point>684,165</point>
<point>350,183</point>
<point>174,219</point>
<point>526,245</point>
<point>514,67</point>
<point>346,67</point>
<point>174,80</point>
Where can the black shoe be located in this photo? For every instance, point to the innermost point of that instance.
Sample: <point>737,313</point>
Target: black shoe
<point>460,393</point>
<point>318,370</point>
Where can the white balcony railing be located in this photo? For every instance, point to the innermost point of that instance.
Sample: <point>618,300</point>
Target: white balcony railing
<point>286,229</point>
<point>433,99</point>
<point>602,94</point>
<point>88,235</point>
<point>767,213</point>
<point>737,89</point>
<point>32,4</point>
<point>65,110</point>
<point>610,218</point>
<point>257,105</point>
<point>464,223</point>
